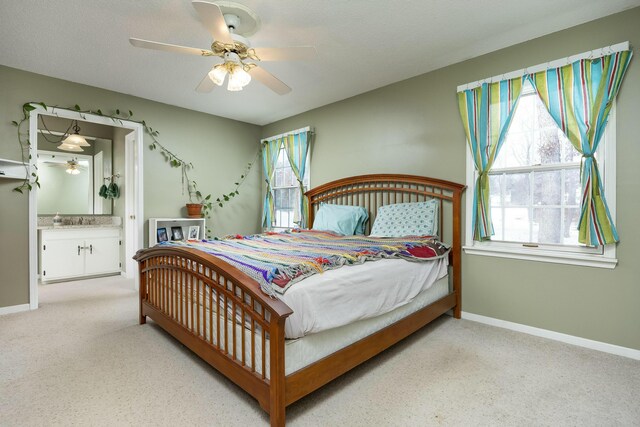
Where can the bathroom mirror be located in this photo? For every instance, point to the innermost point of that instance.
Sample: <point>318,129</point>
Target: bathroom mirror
<point>70,183</point>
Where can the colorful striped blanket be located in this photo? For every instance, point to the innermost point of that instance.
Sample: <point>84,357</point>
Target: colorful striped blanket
<point>279,260</point>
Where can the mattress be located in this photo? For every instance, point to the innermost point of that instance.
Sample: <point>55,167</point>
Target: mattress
<point>345,295</point>
<point>311,348</point>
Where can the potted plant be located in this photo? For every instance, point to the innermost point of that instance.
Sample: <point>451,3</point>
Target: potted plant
<point>199,206</point>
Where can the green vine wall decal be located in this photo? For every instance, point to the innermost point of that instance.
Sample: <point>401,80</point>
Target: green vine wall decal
<point>117,116</point>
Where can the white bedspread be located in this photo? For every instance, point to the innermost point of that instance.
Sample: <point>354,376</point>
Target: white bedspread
<point>345,295</point>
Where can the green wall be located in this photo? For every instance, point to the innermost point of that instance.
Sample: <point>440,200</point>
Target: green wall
<point>218,148</point>
<point>414,127</point>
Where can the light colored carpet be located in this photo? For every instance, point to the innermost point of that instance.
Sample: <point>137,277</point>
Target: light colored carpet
<point>82,359</point>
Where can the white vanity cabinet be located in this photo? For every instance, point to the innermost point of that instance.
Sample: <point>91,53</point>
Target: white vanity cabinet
<point>77,252</point>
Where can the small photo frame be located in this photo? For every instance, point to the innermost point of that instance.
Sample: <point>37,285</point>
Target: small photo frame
<point>194,232</point>
<point>162,234</point>
<point>176,233</point>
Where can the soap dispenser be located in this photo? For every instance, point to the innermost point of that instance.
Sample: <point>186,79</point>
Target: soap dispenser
<point>57,220</point>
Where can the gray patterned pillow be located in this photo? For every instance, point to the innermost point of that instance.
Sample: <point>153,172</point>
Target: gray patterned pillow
<point>407,219</point>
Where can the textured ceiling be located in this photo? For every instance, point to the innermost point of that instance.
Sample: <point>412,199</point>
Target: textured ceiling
<point>361,44</point>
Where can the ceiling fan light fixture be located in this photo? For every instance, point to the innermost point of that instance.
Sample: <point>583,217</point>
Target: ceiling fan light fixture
<point>72,168</point>
<point>238,79</point>
<point>218,73</point>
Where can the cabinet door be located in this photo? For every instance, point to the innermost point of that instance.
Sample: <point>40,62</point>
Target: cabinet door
<point>102,255</point>
<point>61,258</point>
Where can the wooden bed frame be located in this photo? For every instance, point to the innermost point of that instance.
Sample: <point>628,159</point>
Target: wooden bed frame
<point>177,284</point>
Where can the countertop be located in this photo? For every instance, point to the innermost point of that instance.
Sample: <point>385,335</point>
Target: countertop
<point>78,226</point>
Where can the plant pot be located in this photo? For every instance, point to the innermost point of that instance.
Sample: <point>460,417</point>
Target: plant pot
<point>194,210</point>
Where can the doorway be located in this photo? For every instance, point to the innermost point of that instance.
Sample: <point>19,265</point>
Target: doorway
<point>132,214</point>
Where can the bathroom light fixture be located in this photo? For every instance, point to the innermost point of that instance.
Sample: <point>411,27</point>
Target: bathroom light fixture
<point>69,140</point>
<point>75,138</point>
<point>70,147</point>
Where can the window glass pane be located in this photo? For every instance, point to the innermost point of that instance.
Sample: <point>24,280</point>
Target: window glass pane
<point>281,159</point>
<point>571,155</point>
<point>516,150</point>
<point>495,189</point>
<point>570,226</point>
<point>289,178</point>
<point>547,225</point>
<point>496,217</point>
<point>547,188</point>
<point>279,177</point>
<point>572,186</point>
<point>516,189</point>
<point>517,224</point>
<point>277,195</point>
<point>292,198</point>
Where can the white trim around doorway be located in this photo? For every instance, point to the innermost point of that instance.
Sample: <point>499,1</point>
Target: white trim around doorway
<point>133,223</point>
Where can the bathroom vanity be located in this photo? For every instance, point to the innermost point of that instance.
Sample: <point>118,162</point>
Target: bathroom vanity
<point>76,251</point>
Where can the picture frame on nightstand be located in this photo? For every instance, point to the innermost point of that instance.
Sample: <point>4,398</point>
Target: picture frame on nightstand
<point>194,232</point>
<point>176,233</point>
<point>162,235</point>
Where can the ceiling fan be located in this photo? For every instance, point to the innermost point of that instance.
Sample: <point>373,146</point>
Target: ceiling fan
<point>227,22</point>
<point>72,166</point>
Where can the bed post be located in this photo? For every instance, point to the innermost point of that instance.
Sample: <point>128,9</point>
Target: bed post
<point>310,218</point>
<point>277,401</point>
<point>457,252</point>
<point>143,290</point>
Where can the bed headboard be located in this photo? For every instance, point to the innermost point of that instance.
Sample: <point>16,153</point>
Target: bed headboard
<point>373,191</point>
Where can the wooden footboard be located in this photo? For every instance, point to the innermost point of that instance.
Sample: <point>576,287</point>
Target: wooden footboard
<point>195,296</point>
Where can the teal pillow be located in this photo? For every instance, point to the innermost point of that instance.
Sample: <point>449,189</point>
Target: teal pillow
<point>346,220</point>
<point>407,219</point>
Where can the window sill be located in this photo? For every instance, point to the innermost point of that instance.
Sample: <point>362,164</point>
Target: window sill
<point>586,260</point>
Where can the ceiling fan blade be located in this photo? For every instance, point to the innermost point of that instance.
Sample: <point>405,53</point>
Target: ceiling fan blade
<point>211,16</point>
<point>147,44</point>
<point>206,85</point>
<point>294,53</point>
<point>269,80</point>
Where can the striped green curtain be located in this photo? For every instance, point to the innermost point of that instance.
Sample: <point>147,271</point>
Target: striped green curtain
<point>297,148</point>
<point>270,150</point>
<point>579,98</point>
<point>486,113</point>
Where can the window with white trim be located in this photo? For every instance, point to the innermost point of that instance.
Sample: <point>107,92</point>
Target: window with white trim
<point>535,190</point>
<point>286,191</point>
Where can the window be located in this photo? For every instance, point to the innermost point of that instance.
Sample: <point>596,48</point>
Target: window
<point>535,191</point>
<point>286,191</point>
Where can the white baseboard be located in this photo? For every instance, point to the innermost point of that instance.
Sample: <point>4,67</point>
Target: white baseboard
<point>556,336</point>
<point>14,309</point>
